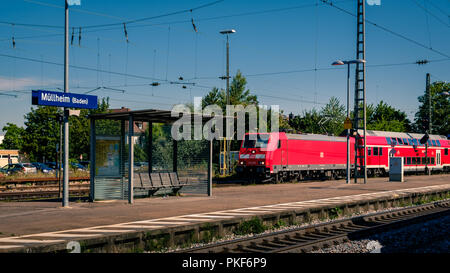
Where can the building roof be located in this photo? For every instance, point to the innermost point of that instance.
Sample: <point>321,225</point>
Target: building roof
<point>150,115</point>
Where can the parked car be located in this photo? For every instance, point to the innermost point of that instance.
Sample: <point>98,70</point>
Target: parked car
<point>78,166</point>
<point>51,165</point>
<point>43,167</point>
<point>19,168</point>
<point>3,172</point>
<point>85,163</point>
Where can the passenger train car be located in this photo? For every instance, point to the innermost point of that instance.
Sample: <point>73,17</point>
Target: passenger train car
<point>281,156</point>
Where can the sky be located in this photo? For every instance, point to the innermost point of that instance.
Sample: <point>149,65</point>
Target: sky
<point>284,49</point>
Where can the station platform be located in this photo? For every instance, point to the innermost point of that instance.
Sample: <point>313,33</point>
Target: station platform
<point>26,226</point>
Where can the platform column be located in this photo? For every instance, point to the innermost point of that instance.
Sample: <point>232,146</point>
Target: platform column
<point>150,147</point>
<point>210,169</point>
<point>92,163</point>
<point>130,160</point>
<point>175,156</point>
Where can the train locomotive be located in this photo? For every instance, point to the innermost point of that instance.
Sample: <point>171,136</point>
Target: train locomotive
<point>281,156</point>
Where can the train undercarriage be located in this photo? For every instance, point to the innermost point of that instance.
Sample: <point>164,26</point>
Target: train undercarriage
<point>260,174</point>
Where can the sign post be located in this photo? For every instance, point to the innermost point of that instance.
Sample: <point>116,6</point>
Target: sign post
<point>348,127</point>
<point>65,100</point>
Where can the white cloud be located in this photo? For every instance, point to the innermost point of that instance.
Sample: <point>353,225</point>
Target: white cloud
<point>7,83</point>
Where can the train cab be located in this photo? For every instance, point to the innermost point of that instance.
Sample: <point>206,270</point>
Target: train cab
<point>256,154</point>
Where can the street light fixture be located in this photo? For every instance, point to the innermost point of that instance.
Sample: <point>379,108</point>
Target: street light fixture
<point>339,62</point>
<point>227,32</point>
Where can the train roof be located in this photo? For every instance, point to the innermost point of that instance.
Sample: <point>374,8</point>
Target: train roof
<point>316,137</point>
<point>399,134</point>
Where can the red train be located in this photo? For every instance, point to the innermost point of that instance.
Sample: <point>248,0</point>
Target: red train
<point>282,156</point>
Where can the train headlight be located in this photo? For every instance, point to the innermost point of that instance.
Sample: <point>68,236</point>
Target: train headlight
<point>261,162</point>
<point>242,162</point>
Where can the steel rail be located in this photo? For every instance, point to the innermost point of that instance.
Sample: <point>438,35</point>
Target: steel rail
<point>306,239</point>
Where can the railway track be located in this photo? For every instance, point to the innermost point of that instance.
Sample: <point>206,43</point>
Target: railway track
<point>306,239</point>
<point>42,192</point>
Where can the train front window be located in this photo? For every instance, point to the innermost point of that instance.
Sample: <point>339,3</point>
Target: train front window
<point>258,143</point>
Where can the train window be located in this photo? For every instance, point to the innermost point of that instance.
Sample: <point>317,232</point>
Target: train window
<point>394,141</point>
<point>400,141</point>
<point>438,143</point>
<point>405,141</point>
<point>424,159</point>
<point>279,144</point>
<point>388,139</point>
<point>428,161</point>
<point>258,143</point>
<point>413,161</point>
<point>369,151</point>
<point>446,151</point>
<point>429,143</point>
<point>404,160</point>
<point>375,150</point>
<point>432,161</point>
<point>410,142</point>
<point>434,142</point>
<point>408,162</point>
<point>380,151</point>
<point>415,142</point>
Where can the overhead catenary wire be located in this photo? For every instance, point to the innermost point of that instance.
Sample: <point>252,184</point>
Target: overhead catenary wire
<point>80,67</point>
<point>428,12</point>
<point>210,77</point>
<point>154,17</point>
<point>274,73</point>
<point>387,30</point>
<point>179,21</point>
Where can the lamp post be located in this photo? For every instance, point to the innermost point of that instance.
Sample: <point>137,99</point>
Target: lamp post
<point>339,62</point>
<point>65,162</point>
<point>227,77</point>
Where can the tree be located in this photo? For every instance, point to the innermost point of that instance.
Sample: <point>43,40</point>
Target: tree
<point>440,110</point>
<point>13,137</point>
<point>41,133</point>
<point>329,120</point>
<point>386,118</point>
<point>333,117</point>
<point>308,122</point>
<point>238,94</point>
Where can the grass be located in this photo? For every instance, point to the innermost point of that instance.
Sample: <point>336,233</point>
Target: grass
<point>335,213</point>
<point>253,226</point>
<point>19,176</point>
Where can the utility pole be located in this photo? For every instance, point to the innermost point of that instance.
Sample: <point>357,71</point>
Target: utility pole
<point>227,159</point>
<point>59,161</point>
<point>65,199</point>
<point>428,91</point>
<point>360,97</point>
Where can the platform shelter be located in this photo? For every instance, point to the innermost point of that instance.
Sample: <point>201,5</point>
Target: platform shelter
<point>154,163</point>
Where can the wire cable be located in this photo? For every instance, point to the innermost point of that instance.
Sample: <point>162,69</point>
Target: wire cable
<point>387,30</point>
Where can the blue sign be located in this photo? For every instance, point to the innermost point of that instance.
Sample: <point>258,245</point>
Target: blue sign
<point>61,99</point>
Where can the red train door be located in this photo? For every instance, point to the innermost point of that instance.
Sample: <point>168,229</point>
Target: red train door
<point>284,154</point>
<point>438,159</point>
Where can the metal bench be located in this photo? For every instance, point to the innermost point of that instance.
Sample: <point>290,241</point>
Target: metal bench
<point>156,181</point>
<point>142,182</point>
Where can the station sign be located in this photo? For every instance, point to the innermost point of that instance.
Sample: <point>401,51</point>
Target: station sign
<point>61,99</point>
